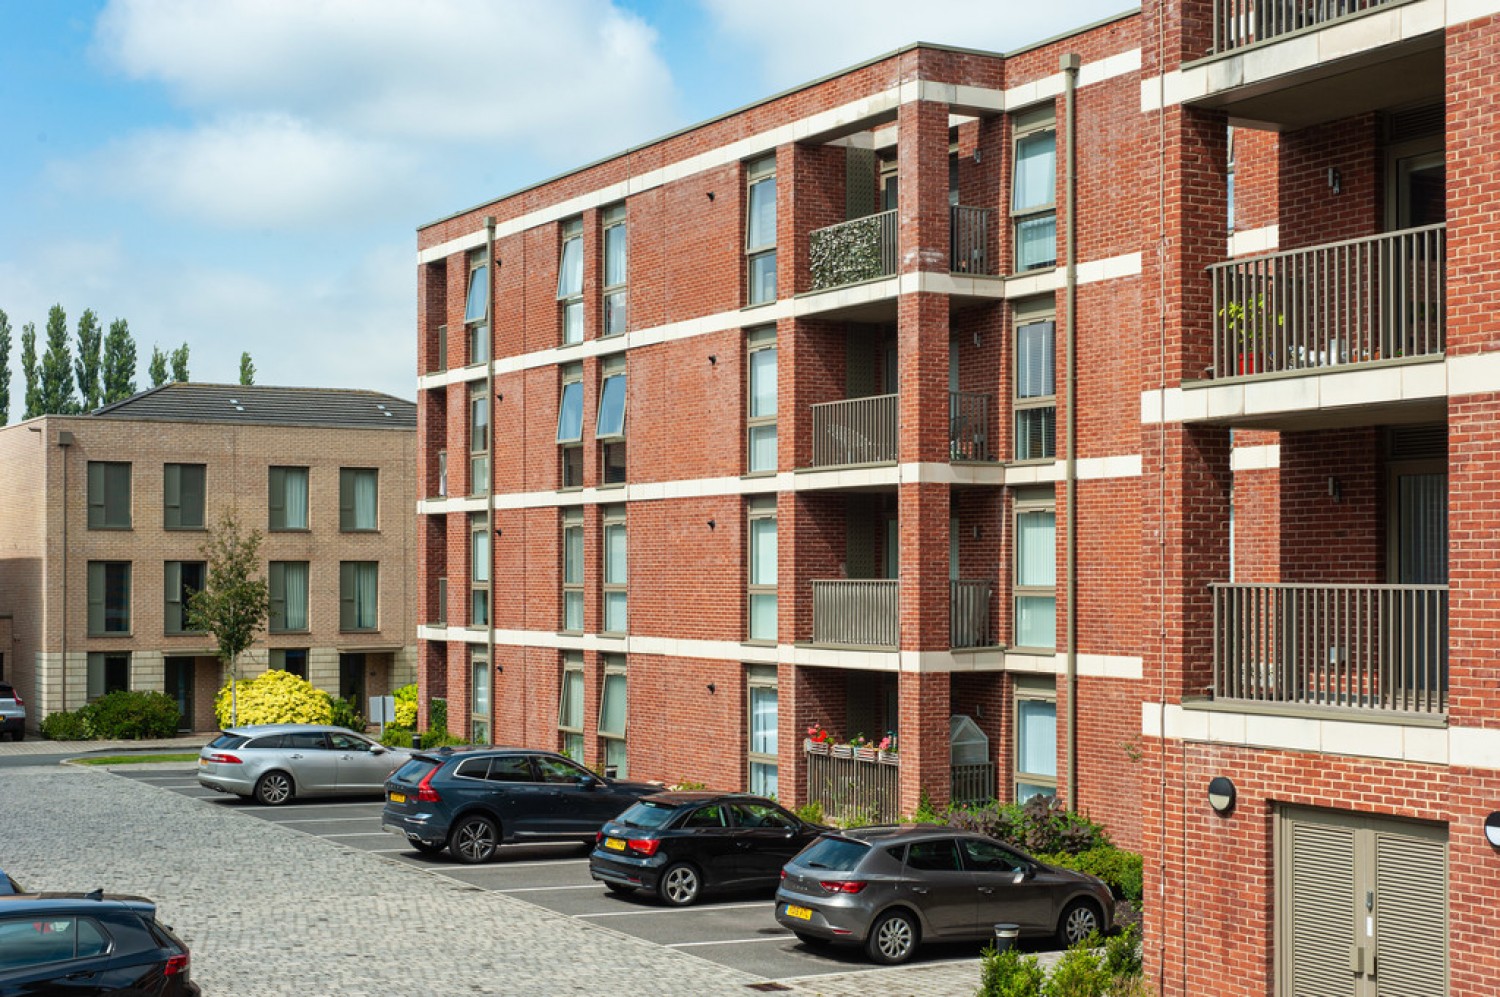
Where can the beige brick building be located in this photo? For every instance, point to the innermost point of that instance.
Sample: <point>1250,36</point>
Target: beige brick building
<point>104,517</point>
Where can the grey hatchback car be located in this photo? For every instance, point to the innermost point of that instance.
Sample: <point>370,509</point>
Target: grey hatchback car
<point>275,762</point>
<point>891,888</point>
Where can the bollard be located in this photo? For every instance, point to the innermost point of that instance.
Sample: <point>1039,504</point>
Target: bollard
<point>416,741</point>
<point>1006,935</point>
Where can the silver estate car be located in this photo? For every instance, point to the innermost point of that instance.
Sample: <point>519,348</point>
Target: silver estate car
<point>275,762</point>
<point>891,888</point>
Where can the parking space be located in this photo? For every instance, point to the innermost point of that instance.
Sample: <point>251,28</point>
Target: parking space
<point>734,931</point>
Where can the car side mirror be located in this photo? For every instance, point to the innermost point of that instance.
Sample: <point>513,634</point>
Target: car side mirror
<point>587,782</point>
<point>377,749</point>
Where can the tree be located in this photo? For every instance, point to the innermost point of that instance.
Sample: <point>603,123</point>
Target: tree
<point>86,367</point>
<point>4,368</point>
<point>179,364</point>
<point>28,370</point>
<point>235,599</point>
<point>119,362</point>
<point>247,368</point>
<point>55,391</point>
<point>158,367</point>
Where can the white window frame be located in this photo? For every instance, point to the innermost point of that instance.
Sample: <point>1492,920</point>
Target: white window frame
<point>759,510</point>
<point>615,313</point>
<point>760,173</point>
<point>615,577</point>
<point>761,758</point>
<point>476,321</point>
<point>1026,128</point>
<point>570,699</point>
<point>480,560</point>
<point>612,750</point>
<point>572,580</point>
<point>611,438</point>
<point>1030,412</point>
<point>481,694</point>
<point>570,447</point>
<point>1027,692</point>
<point>570,292</point>
<point>759,426</point>
<point>1029,504</point>
<point>479,439</point>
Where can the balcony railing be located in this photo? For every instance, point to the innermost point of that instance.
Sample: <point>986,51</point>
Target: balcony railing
<point>973,783</point>
<point>853,251</point>
<point>863,785</point>
<point>969,613</point>
<point>969,426</point>
<point>1349,647</point>
<point>862,612</point>
<point>1334,305</point>
<point>1238,23</point>
<point>854,431</point>
<point>969,239</point>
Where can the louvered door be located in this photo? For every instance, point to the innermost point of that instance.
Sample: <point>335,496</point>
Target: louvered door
<point>1321,917</point>
<point>1411,915</point>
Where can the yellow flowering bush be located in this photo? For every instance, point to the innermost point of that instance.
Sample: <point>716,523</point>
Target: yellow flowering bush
<point>277,697</point>
<point>406,706</point>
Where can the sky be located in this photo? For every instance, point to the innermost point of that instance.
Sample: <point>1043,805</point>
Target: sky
<point>249,175</point>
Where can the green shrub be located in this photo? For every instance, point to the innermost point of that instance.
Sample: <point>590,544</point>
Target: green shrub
<point>1010,974</point>
<point>1080,972</point>
<point>406,706</point>
<point>811,812</point>
<point>396,737</point>
<point>1040,826</point>
<point>438,738</point>
<point>130,716</point>
<point>1120,869</point>
<point>437,714</point>
<point>345,713</point>
<point>277,697</point>
<point>1122,952</point>
<point>68,725</point>
<point>926,813</point>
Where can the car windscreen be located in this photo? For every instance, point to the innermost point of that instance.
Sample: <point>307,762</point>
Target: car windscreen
<point>647,814</point>
<point>414,770</point>
<point>227,741</point>
<point>836,854</point>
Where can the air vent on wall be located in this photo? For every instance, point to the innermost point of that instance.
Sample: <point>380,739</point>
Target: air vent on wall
<point>1419,442</point>
<point>1409,123</point>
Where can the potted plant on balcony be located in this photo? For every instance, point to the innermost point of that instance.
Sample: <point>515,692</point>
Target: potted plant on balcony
<point>1245,317</point>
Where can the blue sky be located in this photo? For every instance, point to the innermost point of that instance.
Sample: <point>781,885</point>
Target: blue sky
<point>249,174</point>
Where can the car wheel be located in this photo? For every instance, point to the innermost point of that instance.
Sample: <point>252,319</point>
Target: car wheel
<point>893,939</point>
<point>18,735</point>
<point>1079,920</point>
<point>273,789</point>
<point>474,840</point>
<point>811,940</point>
<point>619,889</point>
<point>427,847</point>
<point>680,885</point>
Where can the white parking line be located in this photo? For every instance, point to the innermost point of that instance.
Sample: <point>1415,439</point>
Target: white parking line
<point>502,866</point>
<point>313,820</point>
<point>355,834</point>
<point>670,910</point>
<point>549,889</point>
<point>730,941</point>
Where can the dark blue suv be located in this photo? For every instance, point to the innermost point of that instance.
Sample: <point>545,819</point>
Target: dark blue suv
<point>471,800</point>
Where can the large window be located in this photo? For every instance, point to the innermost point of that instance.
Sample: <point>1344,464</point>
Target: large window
<point>761,406</point>
<point>612,714</point>
<point>109,597</point>
<point>763,726</point>
<point>570,425</point>
<point>359,498</point>
<point>359,595</point>
<point>109,671</point>
<point>182,487</point>
<point>477,308</point>
<point>615,257</point>
<point>290,659</point>
<point>1036,572</point>
<point>1036,742</point>
<point>1035,402</point>
<point>762,581</point>
<point>288,498</point>
<point>479,569</point>
<point>615,616</point>
<point>572,570</point>
<point>570,281</point>
<point>182,579</point>
<point>609,429</point>
<point>760,230</point>
<point>1033,207</point>
<point>570,706</point>
<point>109,495</point>
<point>287,581</point>
<point>479,695</point>
<point>479,439</point>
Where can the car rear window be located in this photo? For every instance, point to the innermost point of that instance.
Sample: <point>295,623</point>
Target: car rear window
<point>6,692</point>
<point>269,741</point>
<point>415,769</point>
<point>647,814</point>
<point>228,741</point>
<point>836,854</point>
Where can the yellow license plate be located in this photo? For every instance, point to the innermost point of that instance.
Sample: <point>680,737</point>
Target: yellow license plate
<point>398,797</point>
<point>800,913</point>
<point>203,761</point>
<point>614,844</point>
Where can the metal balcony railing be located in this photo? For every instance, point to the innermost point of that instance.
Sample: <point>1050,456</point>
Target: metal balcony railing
<point>854,785</point>
<point>854,431</point>
<point>969,613</point>
<point>969,426</point>
<point>1238,23</point>
<point>853,251</point>
<point>1348,647</point>
<point>1334,305</point>
<point>969,240</point>
<point>973,783</point>
<point>862,612</point>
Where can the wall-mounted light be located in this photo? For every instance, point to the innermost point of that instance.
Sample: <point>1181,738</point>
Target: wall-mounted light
<point>712,689</point>
<point>712,524</point>
<point>1492,829</point>
<point>713,358</point>
<point>499,668</point>
<point>1335,179</point>
<point>1335,489</point>
<point>976,155</point>
<point>710,195</point>
<point>499,396</point>
<point>1221,794</point>
<point>497,531</point>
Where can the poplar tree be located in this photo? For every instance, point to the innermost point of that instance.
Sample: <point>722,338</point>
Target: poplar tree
<point>28,370</point>
<point>86,367</point>
<point>55,390</point>
<point>179,363</point>
<point>119,362</point>
<point>4,368</point>
<point>247,369</point>
<point>158,367</point>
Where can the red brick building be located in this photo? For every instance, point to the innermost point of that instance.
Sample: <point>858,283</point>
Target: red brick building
<point>1101,418</point>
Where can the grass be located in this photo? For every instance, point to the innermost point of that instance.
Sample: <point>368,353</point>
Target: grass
<point>136,759</point>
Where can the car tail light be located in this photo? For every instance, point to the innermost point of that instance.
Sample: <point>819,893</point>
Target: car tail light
<point>425,792</point>
<point>16,695</point>
<point>599,836</point>
<point>177,964</point>
<point>224,759</point>
<point>646,846</point>
<point>842,885</point>
<point>783,874</point>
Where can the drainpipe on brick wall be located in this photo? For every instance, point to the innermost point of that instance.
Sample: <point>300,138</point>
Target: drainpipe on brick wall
<point>64,441</point>
<point>489,465</point>
<point>1069,65</point>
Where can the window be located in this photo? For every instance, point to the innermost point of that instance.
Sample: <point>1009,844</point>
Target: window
<point>570,706</point>
<point>359,595</point>
<point>572,570</point>
<point>479,569</point>
<point>108,672</point>
<point>762,559</point>
<point>1229,177</point>
<point>442,488</point>
<point>615,257</point>
<point>763,727</point>
<point>477,308</point>
<point>182,487</point>
<point>614,570</point>
<point>609,429</point>
<point>288,498</point>
<point>612,716</point>
<point>291,659</point>
<point>109,597</point>
<point>109,495</point>
<point>1034,189</point>
<point>288,584</point>
<point>760,230</point>
<point>570,281</point>
<point>359,490</point>
<point>1036,742</point>
<point>1036,573</point>
<point>761,406</point>
<point>570,425</point>
<point>1035,403</point>
<point>182,579</point>
<point>479,695</point>
<point>479,439</point>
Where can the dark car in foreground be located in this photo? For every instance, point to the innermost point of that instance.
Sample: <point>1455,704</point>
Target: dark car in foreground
<point>681,845</point>
<point>89,944</point>
<point>12,712</point>
<point>276,762</point>
<point>472,800</point>
<point>892,888</point>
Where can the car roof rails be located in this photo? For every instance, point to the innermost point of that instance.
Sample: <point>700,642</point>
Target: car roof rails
<point>97,893</point>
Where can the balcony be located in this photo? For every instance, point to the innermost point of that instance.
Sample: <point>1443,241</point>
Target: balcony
<point>969,613</point>
<point>863,430</point>
<point>857,612</point>
<point>865,248</point>
<point>865,784</point>
<point>1333,648</point>
<point>1239,23</point>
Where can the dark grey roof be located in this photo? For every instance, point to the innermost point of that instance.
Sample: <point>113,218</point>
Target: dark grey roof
<point>265,405</point>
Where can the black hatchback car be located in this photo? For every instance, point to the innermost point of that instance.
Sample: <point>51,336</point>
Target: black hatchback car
<point>89,944</point>
<point>680,845</point>
<point>471,800</point>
